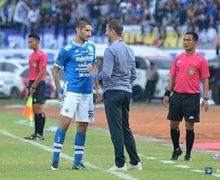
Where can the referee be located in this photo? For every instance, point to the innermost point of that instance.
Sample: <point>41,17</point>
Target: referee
<point>188,70</point>
<point>36,85</point>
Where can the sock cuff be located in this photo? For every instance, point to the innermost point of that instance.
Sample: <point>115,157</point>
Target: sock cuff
<point>40,115</point>
<point>81,133</point>
<point>190,130</point>
<point>61,130</point>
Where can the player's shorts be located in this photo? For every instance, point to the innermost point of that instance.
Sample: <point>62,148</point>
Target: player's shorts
<point>39,95</point>
<point>184,105</point>
<point>81,104</point>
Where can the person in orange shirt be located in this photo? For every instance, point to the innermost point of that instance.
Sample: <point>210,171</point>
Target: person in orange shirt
<point>36,85</point>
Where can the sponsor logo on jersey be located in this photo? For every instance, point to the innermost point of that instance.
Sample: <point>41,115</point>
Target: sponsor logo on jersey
<point>84,58</point>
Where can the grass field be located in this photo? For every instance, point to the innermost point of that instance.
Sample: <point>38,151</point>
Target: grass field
<point>21,159</point>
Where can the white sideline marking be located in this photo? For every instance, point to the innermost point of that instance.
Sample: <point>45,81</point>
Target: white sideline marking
<point>197,170</point>
<point>182,166</point>
<point>65,156</point>
<point>178,166</point>
<point>147,157</point>
<point>167,161</point>
<point>150,158</point>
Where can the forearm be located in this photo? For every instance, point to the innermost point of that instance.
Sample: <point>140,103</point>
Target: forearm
<point>133,74</point>
<point>205,87</point>
<point>39,77</point>
<point>170,84</point>
<point>102,75</point>
<point>56,77</point>
<point>96,83</point>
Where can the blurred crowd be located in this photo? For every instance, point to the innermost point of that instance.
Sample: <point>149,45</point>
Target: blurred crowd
<point>60,15</point>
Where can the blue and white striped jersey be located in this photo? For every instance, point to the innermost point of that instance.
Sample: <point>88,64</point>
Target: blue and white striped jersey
<point>73,58</point>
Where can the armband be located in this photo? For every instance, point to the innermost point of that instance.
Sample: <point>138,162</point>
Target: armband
<point>167,93</point>
<point>59,90</point>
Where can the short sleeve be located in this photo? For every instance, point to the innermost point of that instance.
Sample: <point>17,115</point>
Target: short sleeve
<point>61,58</point>
<point>43,60</point>
<point>205,69</point>
<point>173,69</point>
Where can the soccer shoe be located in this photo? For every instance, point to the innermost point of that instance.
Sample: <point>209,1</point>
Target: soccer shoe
<point>176,154</point>
<point>135,167</point>
<point>38,137</point>
<point>80,166</point>
<point>31,137</point>
<point>187,158</point>
<point>116,168</point>
<point>54,165</point>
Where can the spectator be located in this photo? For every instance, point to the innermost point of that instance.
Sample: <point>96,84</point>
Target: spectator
<point>33,19</point>
<point>149,15</point>
<point>6,14</point>
<point>66,14</point>
<point>152,77</point>
<point>20,17</point>
<point>82,9</point>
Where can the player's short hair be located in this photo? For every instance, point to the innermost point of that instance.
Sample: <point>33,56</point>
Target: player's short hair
<point>82,22</point>
<point>35,36</point>
<point>116,25</point>
<point>193,34</point>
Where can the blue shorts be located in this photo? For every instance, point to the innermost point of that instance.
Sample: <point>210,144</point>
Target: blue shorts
<point>184,105</point>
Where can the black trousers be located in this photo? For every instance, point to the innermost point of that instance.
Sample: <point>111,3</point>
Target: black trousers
<point>117,104</point>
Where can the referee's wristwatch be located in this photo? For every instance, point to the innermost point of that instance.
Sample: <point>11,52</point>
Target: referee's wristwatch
<point>205,98</point>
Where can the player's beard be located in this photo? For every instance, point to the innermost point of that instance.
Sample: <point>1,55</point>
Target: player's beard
<point>84,38</point>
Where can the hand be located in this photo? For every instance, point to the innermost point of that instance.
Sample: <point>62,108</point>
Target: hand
<point>60,97</point>
<point>60,94</point>
<point>98,95</point>
<point>166,100</point>
<point>32,90</point>
<point>91,68</point>
<point>205,105</point>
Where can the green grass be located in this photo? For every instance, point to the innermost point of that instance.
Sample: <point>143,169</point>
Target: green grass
<point>21,160</point>
<point>6,101</point>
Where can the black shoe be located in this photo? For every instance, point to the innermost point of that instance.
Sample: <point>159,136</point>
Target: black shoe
<point>187,158</point>
<point>31,137</point>
<point>54,165</point>
<point>80,166</point>
<point>176,154</point>
<point>38,137</point>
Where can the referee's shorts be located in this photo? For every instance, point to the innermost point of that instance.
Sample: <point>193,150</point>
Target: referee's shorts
<point>184,105</point>
<point>39,95</point>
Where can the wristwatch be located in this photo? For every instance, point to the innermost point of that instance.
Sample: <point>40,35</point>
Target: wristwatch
<point>206,98</point>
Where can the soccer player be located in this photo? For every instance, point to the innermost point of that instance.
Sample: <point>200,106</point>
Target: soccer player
<point>36,85</point>
<point>188,70</point>
<point>77,94</point>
